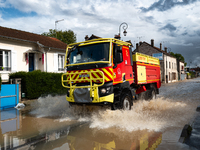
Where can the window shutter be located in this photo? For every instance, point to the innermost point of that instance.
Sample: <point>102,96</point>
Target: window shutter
<point>14,61</point>
<point>55,62</point>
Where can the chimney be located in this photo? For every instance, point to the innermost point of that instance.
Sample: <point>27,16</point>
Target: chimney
<point>86,37</point>
<point>160,46</point>
<point>152,42</point>
<point>136,46</point>
<point>140,42</point>
<point>166,49</point>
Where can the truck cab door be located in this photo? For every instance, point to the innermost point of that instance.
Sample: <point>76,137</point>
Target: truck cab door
<point>117,63</point>
<point>122,59</point>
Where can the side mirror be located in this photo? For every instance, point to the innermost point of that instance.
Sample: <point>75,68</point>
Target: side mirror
<point>67,61</point>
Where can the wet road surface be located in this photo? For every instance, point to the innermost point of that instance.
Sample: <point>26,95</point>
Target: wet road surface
<point>49,123</point>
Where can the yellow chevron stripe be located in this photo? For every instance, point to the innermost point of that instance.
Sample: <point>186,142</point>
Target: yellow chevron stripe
<point>74,74</point>
<point>108,73</point>
<point>95,74</point>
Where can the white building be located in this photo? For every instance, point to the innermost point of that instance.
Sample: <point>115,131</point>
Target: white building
<point>171,72</point>
<point>172,69</point>
<point>24,51</point>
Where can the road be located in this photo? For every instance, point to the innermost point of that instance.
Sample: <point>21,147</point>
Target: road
<point>49,123</point>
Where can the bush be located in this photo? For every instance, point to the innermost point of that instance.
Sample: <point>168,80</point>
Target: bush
<point>191,75</point>
<point>37,83</point>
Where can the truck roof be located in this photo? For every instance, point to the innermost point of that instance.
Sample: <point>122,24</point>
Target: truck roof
<point>100,40</point>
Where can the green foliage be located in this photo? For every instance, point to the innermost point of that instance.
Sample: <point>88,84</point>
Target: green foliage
<point>22,75</point>
<point>37,83</point>
<point>178,56</point>
<point>65,36</point>
<point>191,74</point>
<point>185,64</point>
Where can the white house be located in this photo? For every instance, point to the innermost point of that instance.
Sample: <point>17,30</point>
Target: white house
<point>24,51</point>
<point>171,68</point>
<point>171,72</point>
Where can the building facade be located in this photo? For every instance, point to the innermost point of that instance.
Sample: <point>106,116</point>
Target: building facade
<point>24,51</point>
<point>171,68</point>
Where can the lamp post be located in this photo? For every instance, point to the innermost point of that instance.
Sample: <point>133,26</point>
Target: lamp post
<point>125,26</point>
<point>56,25</point>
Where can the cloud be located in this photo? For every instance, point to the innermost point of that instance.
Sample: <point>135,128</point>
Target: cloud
<point>163,5</point>
<point>169,29</point>
<point>164,20</point>
<point>198,32</point>
<point>181,43</point>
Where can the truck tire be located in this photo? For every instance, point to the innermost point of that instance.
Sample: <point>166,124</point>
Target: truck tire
<point>153,94</point>
<point>115,106</point>
<point>126,102</point>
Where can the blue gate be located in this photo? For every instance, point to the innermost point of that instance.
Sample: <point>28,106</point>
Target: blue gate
<point>9,95</point>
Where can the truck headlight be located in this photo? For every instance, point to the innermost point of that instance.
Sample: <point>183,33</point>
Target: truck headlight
<point>103,90</point>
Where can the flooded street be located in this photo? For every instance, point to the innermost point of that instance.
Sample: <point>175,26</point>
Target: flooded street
<point>50,124</point>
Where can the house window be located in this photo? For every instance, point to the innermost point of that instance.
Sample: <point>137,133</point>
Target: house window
<point>5,60</point>
<point>61,59</point>
<point>169,65</point>
<point>173,76</point>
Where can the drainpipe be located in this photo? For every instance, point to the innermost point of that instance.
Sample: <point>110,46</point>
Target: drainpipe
<point>41,46</point>
<point>46,57</point>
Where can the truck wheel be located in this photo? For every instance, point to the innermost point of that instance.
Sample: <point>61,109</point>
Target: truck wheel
<point>114,106</point>
<point>153,94</point>
<point>126,101</point>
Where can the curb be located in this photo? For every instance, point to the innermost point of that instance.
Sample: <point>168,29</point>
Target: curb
<point>186,132</point>
<point>198,108</point>
<point>187,129</point>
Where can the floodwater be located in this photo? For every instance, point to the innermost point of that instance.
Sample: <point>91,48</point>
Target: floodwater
<point>50,124</point>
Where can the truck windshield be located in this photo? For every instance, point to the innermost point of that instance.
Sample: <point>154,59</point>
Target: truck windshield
<point>90,53</point>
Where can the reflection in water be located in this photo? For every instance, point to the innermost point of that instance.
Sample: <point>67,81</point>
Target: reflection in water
<point>9,125</point>
<point>85,138</point>
<point>25,129</point>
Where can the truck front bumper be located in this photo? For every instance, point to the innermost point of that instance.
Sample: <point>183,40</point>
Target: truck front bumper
<point>108,99</point>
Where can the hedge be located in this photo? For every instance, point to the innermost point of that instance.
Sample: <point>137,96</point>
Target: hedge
<point>36,83</point>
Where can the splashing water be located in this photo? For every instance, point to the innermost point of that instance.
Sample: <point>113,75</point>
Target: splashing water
<point>154,115</point>
<point>50,106</point>
<point>58,107</point>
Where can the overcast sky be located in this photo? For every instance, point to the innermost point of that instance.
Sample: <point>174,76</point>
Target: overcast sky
<point>174,23</point>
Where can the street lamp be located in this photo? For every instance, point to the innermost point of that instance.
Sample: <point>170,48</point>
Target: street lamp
<point>125,26</point>
<point>56,25</point>
<point>57,22</point>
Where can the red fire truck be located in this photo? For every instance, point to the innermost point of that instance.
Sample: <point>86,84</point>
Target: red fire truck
<point>104,71</point>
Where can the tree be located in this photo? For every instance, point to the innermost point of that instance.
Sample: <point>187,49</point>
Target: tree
<point>179,57</point>
<point>65,36</point>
